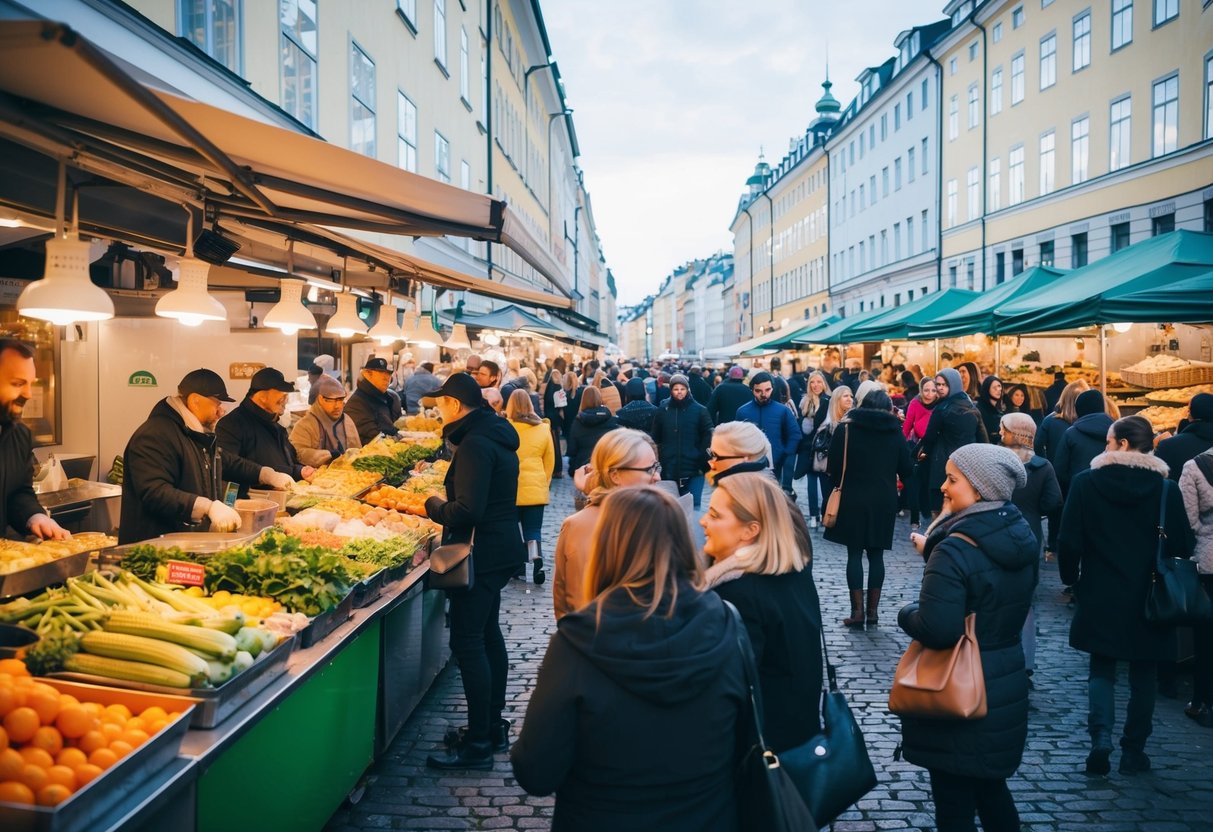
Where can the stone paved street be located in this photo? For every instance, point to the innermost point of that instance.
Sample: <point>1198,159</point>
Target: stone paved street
<point>1050,790</point>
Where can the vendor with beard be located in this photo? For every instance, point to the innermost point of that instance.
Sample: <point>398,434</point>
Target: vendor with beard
<point>19,508</point>
<point>174,470</point>
<point>251,430</point>
<point>325,432</point>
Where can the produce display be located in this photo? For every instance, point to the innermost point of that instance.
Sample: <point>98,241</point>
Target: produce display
<point>1160,364</point>
<point>392,458</point>
<point>54,744</point>
<point>333,481</point>
<point>425,481</point>
<point>426,421</point>
<point>16,555</point>
<point>354,519</point>
<point>1163,418</point>
<point>1167,371</point>
<point>1037,376</point>
<point>1178,395</point>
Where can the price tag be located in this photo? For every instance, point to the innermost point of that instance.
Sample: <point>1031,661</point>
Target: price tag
<point>230,495</point>
<point>183,573</point>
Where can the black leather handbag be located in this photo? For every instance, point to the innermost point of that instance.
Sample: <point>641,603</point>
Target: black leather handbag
<point>832,771</point>
<point>451,566</point>
<point>767,799</point>
<point>1175,595</point>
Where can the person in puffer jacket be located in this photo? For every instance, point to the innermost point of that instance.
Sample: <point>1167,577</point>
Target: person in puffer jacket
<point>1084,440</point>
<point>536,456</point>
<point>1196,487</point>
<point>682,430</point>
<point>592,422</point>
<point>982,558</point>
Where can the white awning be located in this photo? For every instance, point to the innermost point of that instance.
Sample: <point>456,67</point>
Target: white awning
<point>741,347</point>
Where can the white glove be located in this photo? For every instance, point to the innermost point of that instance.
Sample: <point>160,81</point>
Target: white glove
<point>223,517</point>
<point>276,480</point>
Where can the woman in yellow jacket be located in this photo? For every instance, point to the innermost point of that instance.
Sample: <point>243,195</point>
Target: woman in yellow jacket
<point>536,459</point>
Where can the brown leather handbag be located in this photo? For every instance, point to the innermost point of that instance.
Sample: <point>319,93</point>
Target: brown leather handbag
<point>941,684</point>
<point>829,515</point>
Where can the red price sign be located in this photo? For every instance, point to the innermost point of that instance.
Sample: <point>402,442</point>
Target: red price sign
<point>185,574</point>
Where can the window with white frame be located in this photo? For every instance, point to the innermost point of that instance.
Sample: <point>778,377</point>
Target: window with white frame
<point>910,157</point>
<point>926,229</point>
<point>974,107</point>
<point>909,236</point>
<point>1122,23</point>
<point>884,182</point>
<point>994,195</point>
<point>1165,10</point>
<point>362,102</point>
<point>214,26</point>
<point>896,117</point>
<point>1166,115</point>
<point>973,193</point>
<point>897,174</point>
<point>862,202</point>
<point>1080,150</point>
<point>1048,172</point>
<point>953,65</point>
<point>1017,17</point>
<point>923,94</point>
<point>996,91</point>
<point>406,132</point>
<point>872,189</point>
<point>884,126</point>
<point>972,51</point>
<point>464,81</point>
<point>996,32</point>
<point>896,241</point>
<point>440,32</point>
<point>953,117</point>
<point>1082,41</point>
<point>297,24</point>
<point>910,105</point>
<point>408,10</point>
<point>1119,130</point>
<point>1017,79</point>
<point>1015,179</point>
<point>884,247</point>
<point>952,196</point>
<point>1209,97</point>
<point>924,157</point>
<point>1048,61</point>
<point>442,157</point>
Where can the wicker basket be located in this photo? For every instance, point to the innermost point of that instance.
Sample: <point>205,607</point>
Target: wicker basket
<point>1195,374</point>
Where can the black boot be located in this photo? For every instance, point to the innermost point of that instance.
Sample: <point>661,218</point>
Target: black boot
<point>873,607</point>
<point>474,756</point>
<point>499,736</point>
<point>856,619</point>
<point>532,549</point>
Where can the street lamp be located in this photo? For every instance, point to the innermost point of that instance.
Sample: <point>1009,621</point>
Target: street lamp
<point>526,99</point>
<point>567,111</point>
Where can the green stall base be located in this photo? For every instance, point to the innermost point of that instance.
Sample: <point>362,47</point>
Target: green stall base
<point>294,768</point>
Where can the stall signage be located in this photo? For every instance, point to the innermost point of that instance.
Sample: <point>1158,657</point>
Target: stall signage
<point>10,290</point>
<point>183,573</point>
<point>240,370</point>
<point>141,378</point>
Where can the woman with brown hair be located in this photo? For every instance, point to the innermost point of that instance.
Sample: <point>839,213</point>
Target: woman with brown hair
<point>592,423</point>
<point>635,716</point>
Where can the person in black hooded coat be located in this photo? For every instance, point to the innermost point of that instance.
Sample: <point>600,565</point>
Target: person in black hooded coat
<point>994,577</point>
<point>1195,438</point>
<point>638,716</point>
<point>637,413</point>
<point>954,423</point>
<point>682,431</point>
<point>592,422</point>
<point>1084,440</point>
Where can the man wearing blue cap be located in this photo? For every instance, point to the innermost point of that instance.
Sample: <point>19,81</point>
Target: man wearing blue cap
<point>373,407</point>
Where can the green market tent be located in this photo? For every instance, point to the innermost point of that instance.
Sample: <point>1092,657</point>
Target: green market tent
<point>1093,294</point>
<point>829,333</point>
<point>1189,300</point>
<point>509,319</point>
<point>979,315</point>
<point>789,340</point>
<point>901,320</point>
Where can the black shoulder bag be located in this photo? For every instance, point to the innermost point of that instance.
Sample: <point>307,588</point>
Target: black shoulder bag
<point>1175,595</point>
<point>451,566</point>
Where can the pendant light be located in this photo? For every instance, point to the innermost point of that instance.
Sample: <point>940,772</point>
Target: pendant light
<point>1122,327</point>
<point>413,332</point>
<point>289,314</point>
<point>65,294</point>
<point>189,303</point>
<point>459,339</point>
<point>386,331</point>
<point>345,323</point>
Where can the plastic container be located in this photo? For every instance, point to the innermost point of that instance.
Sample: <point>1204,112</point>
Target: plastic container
<point>256,515</point>
<point>13,639</point>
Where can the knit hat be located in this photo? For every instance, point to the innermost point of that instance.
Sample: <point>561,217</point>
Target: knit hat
<point>1201,407</point>
<point>329,387</point>
<point>634,390</point>
<point>952,377</point>
<point>866,387</point>
<point>1022,428</point>
<point>1088,402</point>
<point>737,371</point>
<point>993,471</point>
<point>679,378</point>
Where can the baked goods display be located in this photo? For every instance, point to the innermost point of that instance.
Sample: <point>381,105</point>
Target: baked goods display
<point>1163,418</point>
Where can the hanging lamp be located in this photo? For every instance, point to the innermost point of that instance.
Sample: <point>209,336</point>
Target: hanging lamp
<point>459,339</point>
<point>65,294</point>
<point>345,323</point>
<point>190,303</point>
<point>289,314</point>
<point>386,330</point>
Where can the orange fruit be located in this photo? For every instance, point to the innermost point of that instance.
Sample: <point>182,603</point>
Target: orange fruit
<point>71,757</point>
<point>62,775</point>
<point>156,726</point>
<point>49,738</point>
<point>94,708</point>
<point>13,667</point>
<point>66,699</point>
<point>134,737</point>
<point>37,756</point>
<point>8,699</point>
<point>87,773</point>
<point>73,721</point>
<point>33,776</point>
<point>103,758</point>
<point>91,741</point>
<point>53,794</point>
<point>21,723</point>
<point>3,739</point>
<point>12,791</point>
<point>111,730</point>
<point>120,710</point>
<point>153,713</point>
<point>135,722</point>
<point>11,763</point>
<point>121,748</point>
<point>45,700</point>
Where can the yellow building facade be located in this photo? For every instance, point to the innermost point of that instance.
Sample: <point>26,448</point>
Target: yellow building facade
<point>799,293</point>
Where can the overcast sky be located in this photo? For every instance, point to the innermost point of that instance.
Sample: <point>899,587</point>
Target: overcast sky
<point>673,99</point>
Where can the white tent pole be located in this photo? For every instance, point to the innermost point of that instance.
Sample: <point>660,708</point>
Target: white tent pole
<point>1103,359</point>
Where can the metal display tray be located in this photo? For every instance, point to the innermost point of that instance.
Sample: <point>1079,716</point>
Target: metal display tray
<point>368,589</point>
<point>326,622</point>
<point>118,782</point>
<point>213,704</point>
<point>37,577</point>
<point>197,543</point>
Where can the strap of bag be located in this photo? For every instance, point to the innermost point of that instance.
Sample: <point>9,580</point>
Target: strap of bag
<point>751,671</point>
<point>846,444</point>
<point>1205,463</point>
<point>1159,553</point>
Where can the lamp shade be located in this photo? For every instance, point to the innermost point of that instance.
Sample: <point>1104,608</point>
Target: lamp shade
<point>414,334</point>
<point>386,330</point>
<point>459,339</point>
<point>189,303</point>
<point>65,294</point>
<point>289,314</point>
<point>345,323</point>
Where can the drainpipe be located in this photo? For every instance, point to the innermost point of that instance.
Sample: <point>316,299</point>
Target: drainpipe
<point>488,127</point>
<point>985,138</point>
<point>771,253</point>
<point>829,223</point>
<point>746,211</point>
<point>938,172</point>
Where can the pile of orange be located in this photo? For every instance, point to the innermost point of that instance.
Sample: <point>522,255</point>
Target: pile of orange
<point>52,744</point>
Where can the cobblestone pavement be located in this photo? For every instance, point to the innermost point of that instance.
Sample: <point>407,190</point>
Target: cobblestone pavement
<point>1050,790</point>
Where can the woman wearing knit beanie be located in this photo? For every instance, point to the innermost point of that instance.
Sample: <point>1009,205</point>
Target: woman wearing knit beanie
<point>954,423</point>
<point>981,557</point>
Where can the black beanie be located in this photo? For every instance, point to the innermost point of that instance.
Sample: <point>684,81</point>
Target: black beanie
<point>1201,407</point>
<point>634,390</point>
<point>1088,402</point>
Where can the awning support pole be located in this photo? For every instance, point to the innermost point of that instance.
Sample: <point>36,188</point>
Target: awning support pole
<point>1103,359</point>
<point>937,367</point>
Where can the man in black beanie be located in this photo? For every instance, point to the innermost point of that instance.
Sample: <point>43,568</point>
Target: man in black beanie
<point>637,413</point>
<point>1193,439</point>
<point>1084,440</point>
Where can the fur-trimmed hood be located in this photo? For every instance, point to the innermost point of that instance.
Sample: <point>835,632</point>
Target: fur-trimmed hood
<point>1133,459</point>
<point>1127,478</point>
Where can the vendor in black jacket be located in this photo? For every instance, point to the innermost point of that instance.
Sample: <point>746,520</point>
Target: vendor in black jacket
<point>1194,439</point>
<point>373,407</point>
<point>174,470</point>
<point>682,431</point>
<point>19,508</point>
<point>480,507</point>
<point>251,431</point>
<point>729,395</point>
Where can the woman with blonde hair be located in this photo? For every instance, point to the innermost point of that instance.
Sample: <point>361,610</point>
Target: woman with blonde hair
<point>651,664</point>
<point>621,459</point>
<point>760,568</point>
<point>536,456</point>
<point>737,447</point>
<point>813,410</point>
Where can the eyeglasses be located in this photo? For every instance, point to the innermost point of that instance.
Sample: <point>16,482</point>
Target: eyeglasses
<point>652,469</point>
<point>714,455</point>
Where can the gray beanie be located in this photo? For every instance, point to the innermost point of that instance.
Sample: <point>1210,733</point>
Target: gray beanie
<point>993,471</point>
<point>679,378</point>
<point>329,387</point>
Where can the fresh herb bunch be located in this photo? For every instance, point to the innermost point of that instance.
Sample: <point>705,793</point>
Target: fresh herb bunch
<point>303,579</point>
<point>144,559</point>
<point>48,654</point>
<point>387,553</point>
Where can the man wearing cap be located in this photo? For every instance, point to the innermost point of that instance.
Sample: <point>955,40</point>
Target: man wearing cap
<point>729,395</point>
<point>479,507</point>
<point>326,431</point>
<point>19,506</point>
<point>251,430</point>
<point>1194,439</point>
<point>373,407</point>
<point>174,469</point>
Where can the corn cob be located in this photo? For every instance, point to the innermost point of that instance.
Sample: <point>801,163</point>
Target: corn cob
<point>216,643</point>
<point>141,649</point>
<point>148,674</point>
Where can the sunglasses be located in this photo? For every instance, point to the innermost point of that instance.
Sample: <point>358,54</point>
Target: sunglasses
<point>650,470</point>
<point>714,455</point>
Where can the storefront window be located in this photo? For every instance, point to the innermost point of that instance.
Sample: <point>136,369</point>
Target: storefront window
<point>214,27</point>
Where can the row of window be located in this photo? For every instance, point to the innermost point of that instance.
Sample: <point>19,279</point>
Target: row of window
<point>869,304</point>
<point>807,279</point>
<point>865,256</point>
<point>865,196</point>
<point>802,233</point>
<point>847,155</point>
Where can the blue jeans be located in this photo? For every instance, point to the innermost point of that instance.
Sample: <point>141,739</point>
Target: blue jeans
<point>785,470</point>
<point>1101,714</point>
<point>531,520</point>
<point>819,491</point>
<point>695,489</point>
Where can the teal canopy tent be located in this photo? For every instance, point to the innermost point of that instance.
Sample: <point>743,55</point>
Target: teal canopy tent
<point>1189,300</point>
<point>829,333</point>
<point>901,320</point>
<point>792,338</point>
<point>979,314</point>
<point>510,319</point>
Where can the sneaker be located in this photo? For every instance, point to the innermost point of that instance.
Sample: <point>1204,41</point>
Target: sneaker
<point>474,756</point>
<point>812,522</point>
<point>537,574</point>
<point>1134,762</point>
<point>1098,762</point>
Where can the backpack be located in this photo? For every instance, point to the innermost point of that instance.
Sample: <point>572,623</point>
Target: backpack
<point>821,447</point>
<point>1205,463</point>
